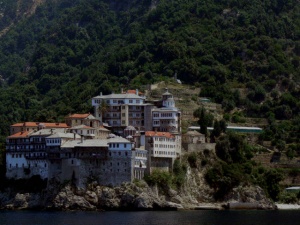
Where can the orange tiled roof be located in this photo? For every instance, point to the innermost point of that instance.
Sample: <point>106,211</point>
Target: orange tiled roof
<point>158,134</point>
<point>79,116</point>
<point>133,92</point>
<point>22,134</point>
<point>35,124</point>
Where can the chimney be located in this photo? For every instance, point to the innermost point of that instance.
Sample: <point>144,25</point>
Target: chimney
<point>121,90</point>
<point>137,91</point>
<point>100,93</point>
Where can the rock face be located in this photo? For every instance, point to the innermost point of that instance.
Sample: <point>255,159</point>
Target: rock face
<point>20,201</point>
<point>194,194</point>
<point>250,194</point>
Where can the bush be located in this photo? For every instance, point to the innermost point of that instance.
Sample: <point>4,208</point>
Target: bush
<point>204,162</point>
<point>192,159</point>
<point>160,178</point>
<point>288,198</point>
<point>179,171</point>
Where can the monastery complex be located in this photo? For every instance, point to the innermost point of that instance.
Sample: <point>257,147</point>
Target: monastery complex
<point>126,138</point>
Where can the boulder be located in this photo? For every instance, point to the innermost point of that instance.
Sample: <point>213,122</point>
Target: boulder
<point>254,195</point>
<point>66,199</point>
<point>91,197</point>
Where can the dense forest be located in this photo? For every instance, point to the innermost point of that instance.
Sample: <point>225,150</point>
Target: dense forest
<point>54,61</point>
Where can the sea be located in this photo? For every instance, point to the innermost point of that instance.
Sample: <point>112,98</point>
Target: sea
<point>201,217</point>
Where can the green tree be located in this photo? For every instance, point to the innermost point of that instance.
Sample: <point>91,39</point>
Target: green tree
<point>205,119</point>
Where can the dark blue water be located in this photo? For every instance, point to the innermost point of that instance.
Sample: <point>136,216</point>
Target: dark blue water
<point>283,217</point>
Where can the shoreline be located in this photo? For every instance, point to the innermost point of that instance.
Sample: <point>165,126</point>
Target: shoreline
<point>287,206</point>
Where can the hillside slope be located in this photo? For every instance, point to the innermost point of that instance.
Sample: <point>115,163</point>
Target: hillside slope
<point>54,61</point>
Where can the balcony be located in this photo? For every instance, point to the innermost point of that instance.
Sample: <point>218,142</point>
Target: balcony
<point>36,156</point>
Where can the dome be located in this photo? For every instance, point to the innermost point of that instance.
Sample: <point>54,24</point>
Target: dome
<point>111,135</point>
<point>130,128</point>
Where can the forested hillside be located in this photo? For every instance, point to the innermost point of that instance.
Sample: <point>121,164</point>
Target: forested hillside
<point>54,61</point>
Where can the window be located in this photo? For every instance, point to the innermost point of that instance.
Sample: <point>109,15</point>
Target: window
<point>114,101</point>
<point>130,101</point>
<point>125,145</point>
<point>137,101</point>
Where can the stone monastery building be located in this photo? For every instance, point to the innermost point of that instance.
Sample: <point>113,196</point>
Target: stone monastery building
<point>125,139</point>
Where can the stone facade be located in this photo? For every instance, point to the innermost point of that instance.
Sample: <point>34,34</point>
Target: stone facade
<point>67,156</point>
<point>198,147</point>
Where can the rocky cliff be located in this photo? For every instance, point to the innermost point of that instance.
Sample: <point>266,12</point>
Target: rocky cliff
<point>194,194</point>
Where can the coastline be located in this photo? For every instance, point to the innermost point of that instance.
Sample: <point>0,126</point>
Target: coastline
<point>287,206</point>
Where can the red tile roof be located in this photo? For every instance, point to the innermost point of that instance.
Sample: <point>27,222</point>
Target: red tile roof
<point>22,134</point>
<point>158,134</point>
<point>133,92</point>
<point>36,124</point>
<point>78,116</point>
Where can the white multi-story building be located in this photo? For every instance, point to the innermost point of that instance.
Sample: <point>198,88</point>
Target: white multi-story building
<point>168,117</point>
<point>122,110</point>
<point>162,148</point>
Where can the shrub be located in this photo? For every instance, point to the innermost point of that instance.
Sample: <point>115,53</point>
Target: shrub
<point>162,179</point>
<point>192,159</point>
<point>288,197</point>
<point>179,171</point>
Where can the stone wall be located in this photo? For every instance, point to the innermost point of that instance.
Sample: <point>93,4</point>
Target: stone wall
<point>157,163</point>
<point>199,147</point>
<point>23,168</point>
<point>112,170</point>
